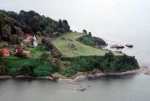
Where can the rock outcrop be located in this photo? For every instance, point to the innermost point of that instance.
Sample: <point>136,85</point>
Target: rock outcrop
<point>117,46</point>
<point>129,45</point>
<point>81,88</point>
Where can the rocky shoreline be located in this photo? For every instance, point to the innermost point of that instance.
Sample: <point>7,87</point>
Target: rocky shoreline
<point>82,77</point>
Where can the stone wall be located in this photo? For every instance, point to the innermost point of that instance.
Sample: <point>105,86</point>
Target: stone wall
<point>56,49</point>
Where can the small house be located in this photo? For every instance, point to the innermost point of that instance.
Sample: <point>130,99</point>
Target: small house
<point>5,52</point>
<point>30,40</point>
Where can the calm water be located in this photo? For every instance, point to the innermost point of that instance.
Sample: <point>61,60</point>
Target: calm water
<point>125,88</point>
<point>116,21</point>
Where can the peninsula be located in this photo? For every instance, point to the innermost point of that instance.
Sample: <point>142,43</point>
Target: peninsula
<point>33,45</point>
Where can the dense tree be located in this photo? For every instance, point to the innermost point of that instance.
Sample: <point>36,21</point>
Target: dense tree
<point>43,40</point>
<point>107,63</point>
<point>90,34</point>
<point>7,26</point>
<point>44,56</point>
<point>32,23</point>
<point>6,31</point>
<point>84,31</point>
<point>15,39</point>
<point>60,24</point>
<point>26,29</point>
<point>38,33</point>
<point>66,26</point>
<point>3,69</point>
<point>0,38</point>
<point>1,54</point>
<point>91,41</point>
<point>26,70</point>
<point>4,19</point>
<point>49,30</point>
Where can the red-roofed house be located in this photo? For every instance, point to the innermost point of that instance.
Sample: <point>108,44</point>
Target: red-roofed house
<point>6,52</point>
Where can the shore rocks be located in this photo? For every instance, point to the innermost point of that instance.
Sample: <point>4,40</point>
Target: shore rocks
<point>71,81</point>
<point>84,77</point>
<point>80,78</point>
<point>103,46</point>
<point>6,77</point>
<point>145,70</point>
<point>47,77</point>
<point>129,45</point>
<point>95,75</point>
<point>117,46</point>
<point>81,88</point>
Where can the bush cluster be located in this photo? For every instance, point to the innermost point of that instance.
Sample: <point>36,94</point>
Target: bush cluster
<point>29,67</point>
<point>107,63</point>
<point>91,41</point>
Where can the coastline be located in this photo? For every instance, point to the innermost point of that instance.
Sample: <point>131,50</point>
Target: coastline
<point>81,77</point>
<point>87,76</point>
<point>4,77</point>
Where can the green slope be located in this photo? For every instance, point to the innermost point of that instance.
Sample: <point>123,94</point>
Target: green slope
<point>82,50</point>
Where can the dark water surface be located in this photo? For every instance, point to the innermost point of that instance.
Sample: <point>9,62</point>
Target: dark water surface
<point>116,21</point>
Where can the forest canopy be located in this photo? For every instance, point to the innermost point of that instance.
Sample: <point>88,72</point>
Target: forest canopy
<point>30,22</point>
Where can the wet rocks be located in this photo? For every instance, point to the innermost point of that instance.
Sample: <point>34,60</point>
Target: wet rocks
<point>145,70</point>
<point>71,81</point>
<point>121,46</point>
<point>81,88</point>
<point>80,78</point>
<point>117,46</point>
<point>129,45</point>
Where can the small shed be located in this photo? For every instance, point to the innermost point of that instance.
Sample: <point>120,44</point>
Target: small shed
<point>35,44</point>
<point>19,51</point>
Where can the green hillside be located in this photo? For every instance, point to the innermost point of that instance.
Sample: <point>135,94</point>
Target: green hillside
<point>82,50</point>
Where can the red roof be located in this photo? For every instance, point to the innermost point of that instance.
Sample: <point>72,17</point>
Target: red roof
<point>5,51</point>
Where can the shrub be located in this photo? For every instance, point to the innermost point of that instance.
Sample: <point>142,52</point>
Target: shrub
<point>15,39</point>
<point>26,70</point>
<point>4,44</point>
<point>12,71</point>
<point>43,41</point>
<point>45,69</point>
<point>91,41</point>
<point>3,69</point>
<point>44,55</point>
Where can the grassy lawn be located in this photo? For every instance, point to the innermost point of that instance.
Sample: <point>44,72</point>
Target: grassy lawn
<point>82,50</point>
<point>34,51</point>
<point>10,57</point>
